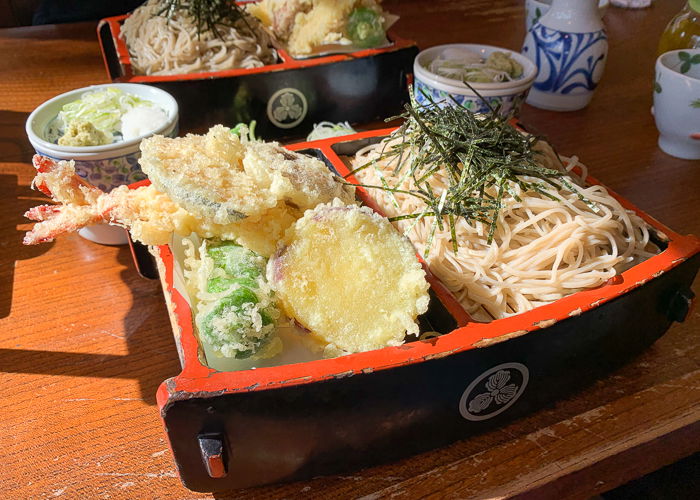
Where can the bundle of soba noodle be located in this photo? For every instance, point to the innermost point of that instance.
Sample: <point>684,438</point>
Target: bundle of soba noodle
<point>167,38</point>
<point>515,227</point>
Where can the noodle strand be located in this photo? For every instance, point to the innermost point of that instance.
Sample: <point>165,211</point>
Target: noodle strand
<point>542,250</point>
<point>170,46</point>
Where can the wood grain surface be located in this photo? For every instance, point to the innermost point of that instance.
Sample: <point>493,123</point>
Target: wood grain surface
<point>84,341</point>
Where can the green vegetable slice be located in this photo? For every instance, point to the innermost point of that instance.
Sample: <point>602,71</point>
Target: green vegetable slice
<point>240,320</point>
<point>236,260</point>
<point>223,283</point>
<point>365,28</point>
<point>231,322</point>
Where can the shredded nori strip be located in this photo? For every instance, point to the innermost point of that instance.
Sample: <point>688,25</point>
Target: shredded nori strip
<point>477,152</point>
<point>207,14</point>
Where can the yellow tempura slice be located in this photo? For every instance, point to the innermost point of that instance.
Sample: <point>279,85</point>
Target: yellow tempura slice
<point>345,274</point>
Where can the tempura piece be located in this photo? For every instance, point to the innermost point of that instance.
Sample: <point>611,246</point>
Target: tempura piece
<point>345,274</point>
<point>150,215</point>
<point>215,185</point>
<point>254,189</point>
<point>304,25</point>
<point>236,313</point>
<point>223,178</point>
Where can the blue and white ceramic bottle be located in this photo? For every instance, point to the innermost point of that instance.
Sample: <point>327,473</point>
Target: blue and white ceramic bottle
<point>569,47</point>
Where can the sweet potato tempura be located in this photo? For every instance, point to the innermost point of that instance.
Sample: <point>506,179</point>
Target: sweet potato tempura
<point>346,275</point>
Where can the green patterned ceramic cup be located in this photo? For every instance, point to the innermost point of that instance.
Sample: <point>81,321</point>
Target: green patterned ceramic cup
<point>677,103</point>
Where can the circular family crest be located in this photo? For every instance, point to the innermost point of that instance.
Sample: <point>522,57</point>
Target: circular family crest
<point>287,108</point>
<point>494,391</point>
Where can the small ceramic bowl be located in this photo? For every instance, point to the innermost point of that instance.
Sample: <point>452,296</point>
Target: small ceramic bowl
<point>534,9</point>
<point>677,103</point>
<point>504,95</point>
<point>109,165</point>
<point>106,166</point>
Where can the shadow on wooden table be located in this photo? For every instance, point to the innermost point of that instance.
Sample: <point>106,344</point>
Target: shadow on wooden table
<point>152,355</point>
<point>14,144</point>
<point>14,201</point>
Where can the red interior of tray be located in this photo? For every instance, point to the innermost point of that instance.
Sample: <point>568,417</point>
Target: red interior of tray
<point>287,61</point>
<point>195,377</point>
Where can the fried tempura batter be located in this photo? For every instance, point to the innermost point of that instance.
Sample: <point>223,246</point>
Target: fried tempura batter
<point>222,178</point>
<point>346,275</point>
<point>150,215</point>
<point>215,185</point>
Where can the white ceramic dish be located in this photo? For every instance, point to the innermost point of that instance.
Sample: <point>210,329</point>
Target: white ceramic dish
<point>570,47</point>
<point>109,165</point>
<point>677,103</point>
<point>504,95</point>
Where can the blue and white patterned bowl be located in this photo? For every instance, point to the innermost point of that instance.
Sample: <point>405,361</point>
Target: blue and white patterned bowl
<point>110,165</point>
<point>106,166</point>
<point>505,96</point>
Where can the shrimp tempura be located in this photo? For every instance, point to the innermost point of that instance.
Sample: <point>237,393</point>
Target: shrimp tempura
<point>149,215</point>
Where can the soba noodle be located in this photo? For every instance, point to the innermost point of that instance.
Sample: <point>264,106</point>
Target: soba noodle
<point>542,249</point>
<point>167,46</point>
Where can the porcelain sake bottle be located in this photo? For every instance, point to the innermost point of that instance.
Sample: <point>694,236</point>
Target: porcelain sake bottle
<point>569,47</point>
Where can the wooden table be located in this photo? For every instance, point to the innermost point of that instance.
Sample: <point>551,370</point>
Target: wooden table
<point>84,341</point>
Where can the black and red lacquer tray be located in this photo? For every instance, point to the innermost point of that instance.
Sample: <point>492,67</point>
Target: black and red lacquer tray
<point>287,98</point>
<point>257,426</point>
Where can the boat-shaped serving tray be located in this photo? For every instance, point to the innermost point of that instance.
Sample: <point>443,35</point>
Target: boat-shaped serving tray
<point>286,98</point>
<point>256,426</point>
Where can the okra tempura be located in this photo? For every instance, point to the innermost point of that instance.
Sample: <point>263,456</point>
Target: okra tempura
<point>236,311</point>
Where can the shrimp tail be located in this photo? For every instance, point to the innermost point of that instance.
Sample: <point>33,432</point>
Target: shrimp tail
<point>42,212</point>
<point>59,181</point>
<point>147,213</point>
<point>54,220</point>
<point>42,165</point>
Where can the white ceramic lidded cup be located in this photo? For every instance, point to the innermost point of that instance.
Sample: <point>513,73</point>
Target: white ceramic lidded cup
<point>569,47</point>
<point>677,103</point>
<point>106,166</point>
